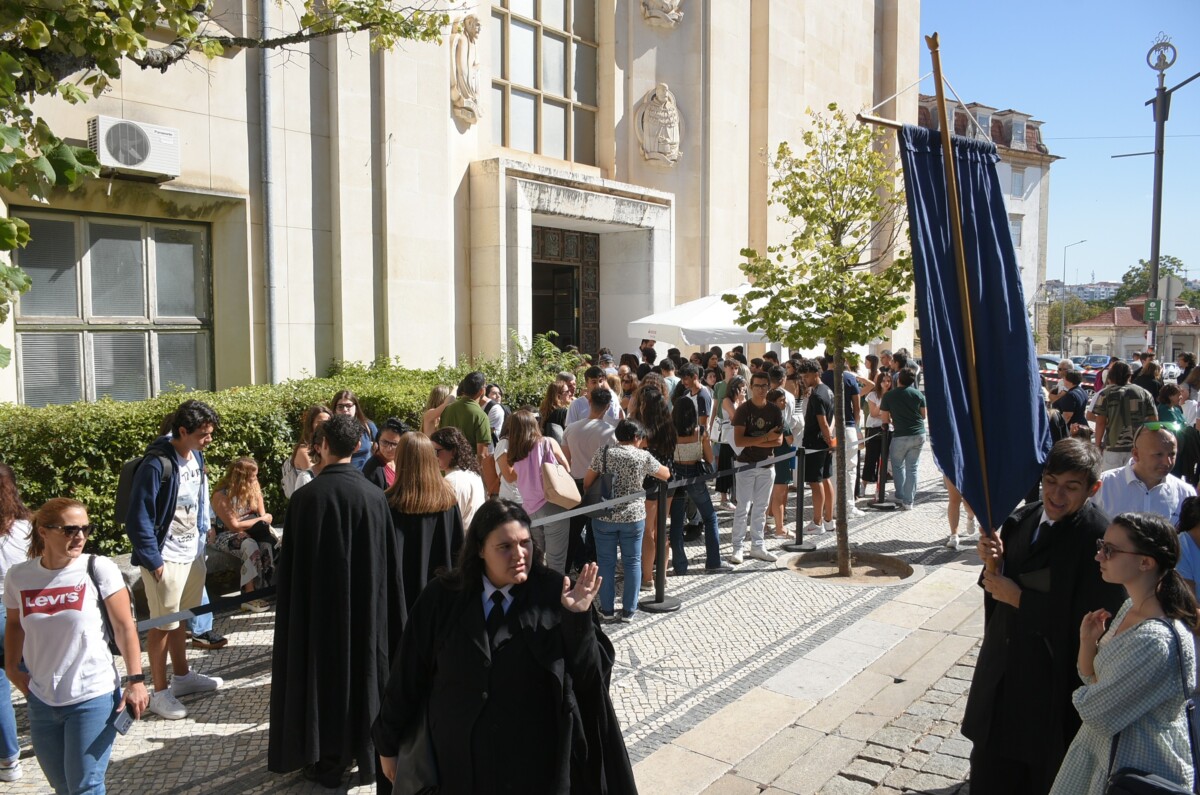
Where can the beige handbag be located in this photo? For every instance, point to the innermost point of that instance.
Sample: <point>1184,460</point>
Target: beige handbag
<point>558,485</point>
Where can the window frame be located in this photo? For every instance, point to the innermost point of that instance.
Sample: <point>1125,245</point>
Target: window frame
<point>500,14</point>
<point>1013,191</point>
<point>150,326</point>
<point>1016,229</point>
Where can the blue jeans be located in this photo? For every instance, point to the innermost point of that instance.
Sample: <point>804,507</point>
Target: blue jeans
<point>73,743</point>
<point>903,455</point>
<point>628,536</point>
<point>699,494</point>
<point>201,624</point>
<point>9,749</point>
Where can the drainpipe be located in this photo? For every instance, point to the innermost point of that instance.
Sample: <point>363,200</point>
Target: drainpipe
<point>275,366</point>
<point>706,147</point>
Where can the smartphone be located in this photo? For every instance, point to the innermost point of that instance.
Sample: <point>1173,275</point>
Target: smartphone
<point>124,720</point>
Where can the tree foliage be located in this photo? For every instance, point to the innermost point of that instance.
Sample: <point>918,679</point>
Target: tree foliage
<point>1136,280</point>
<point>1077,311</point>
<point>839,277</point>
<point>71,50</point>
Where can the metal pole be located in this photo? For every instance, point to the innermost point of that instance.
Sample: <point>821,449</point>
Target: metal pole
<point>1062,309</point>
<point>800,545</point>
<point>1162,107</point>
<point>661,603</point>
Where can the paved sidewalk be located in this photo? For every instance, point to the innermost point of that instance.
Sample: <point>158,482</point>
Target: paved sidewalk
<point>765,680</point>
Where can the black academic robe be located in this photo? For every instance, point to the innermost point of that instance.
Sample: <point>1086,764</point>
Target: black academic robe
<point>339,615</point>
<point>444,667</point>
<point>428,542</point>
<point>1019,705</point>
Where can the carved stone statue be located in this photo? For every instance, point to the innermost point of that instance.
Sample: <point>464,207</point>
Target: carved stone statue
<point>662,13</point>
<point>464,69</point>
<point>658,125</point>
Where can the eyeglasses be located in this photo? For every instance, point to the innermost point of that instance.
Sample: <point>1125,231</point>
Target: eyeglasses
<point>1107,550</point>
<point>344,406</point>
<point>387,443</point>
<point>72,530</point>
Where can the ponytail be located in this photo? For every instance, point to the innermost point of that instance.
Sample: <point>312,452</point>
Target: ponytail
<point>1178,601</point>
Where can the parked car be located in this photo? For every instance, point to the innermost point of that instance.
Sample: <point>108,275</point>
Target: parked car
<point>1095,361</point>
<point>1170,371</point>
<point>1048,368</point>
<point>1078,361</point>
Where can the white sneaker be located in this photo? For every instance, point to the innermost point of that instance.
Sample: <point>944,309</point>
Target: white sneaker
<point>11,770</point>
<point>762,554</point>
<point>970,531</point>
<point>255,606</point>
<point>855,512</point>
<point>736,558</point>
<point>194,682</point>
<point>814,527</point>
<point>952,542</point>
<point>830,526</point>
<point>165,705</point>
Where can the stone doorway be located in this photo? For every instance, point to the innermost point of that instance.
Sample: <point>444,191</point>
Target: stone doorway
<point>566,286</point>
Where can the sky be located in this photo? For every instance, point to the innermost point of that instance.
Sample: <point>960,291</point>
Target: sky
<point>1080,67</point>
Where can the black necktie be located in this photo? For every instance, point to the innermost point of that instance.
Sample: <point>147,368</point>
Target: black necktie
<point>1043,532</point>
<point>495,616</point>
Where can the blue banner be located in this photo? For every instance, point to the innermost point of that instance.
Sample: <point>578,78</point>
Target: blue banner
<point>1016,430</point>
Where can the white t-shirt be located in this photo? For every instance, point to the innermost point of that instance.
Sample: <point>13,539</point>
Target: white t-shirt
<point>182,544</point>
<point>508,491</point>
<point>581,407</point>
<point>65,649</point>
<point>469,491</point>
<point>14,548</point>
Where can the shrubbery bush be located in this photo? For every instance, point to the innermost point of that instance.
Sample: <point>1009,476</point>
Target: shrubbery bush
<point>77,450</point>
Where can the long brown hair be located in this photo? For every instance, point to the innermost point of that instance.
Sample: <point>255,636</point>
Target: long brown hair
<point>51,512</point>
<point>524,433</point>
<point>420,486</point>
<point>553,400</point>
<point>310,416</point>
<point>359,414</point>
<point>239,487</point>
<point>11,506</point>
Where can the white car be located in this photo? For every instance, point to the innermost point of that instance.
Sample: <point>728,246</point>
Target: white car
<point>1170,371</point>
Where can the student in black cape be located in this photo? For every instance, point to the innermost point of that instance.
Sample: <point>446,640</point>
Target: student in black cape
<point>339,615</point>
<point>1019,713</point>
<point>504,668</point>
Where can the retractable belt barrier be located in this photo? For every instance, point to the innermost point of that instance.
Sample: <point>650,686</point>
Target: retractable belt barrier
<point>662,603</point>
<point>217,605</point>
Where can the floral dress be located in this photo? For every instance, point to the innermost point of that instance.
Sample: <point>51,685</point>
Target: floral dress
<point>258,558</point>
<point>1136,691</point>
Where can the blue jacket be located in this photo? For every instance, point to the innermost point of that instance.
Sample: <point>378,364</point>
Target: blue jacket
<point>152,506</point>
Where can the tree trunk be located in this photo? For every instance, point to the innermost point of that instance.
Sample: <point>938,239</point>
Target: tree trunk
<point>840,457</point>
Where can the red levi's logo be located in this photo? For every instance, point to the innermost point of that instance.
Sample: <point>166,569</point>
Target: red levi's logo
<point>49,601</point>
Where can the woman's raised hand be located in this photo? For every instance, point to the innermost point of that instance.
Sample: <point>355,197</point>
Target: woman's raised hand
<point>578,599</point>
<point>1093,626</point>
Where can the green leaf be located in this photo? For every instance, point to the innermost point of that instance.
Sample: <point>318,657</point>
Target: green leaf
<point>72,163</point>
<point>36,35</point>
<point>10,136</point>
<point>5,357</point>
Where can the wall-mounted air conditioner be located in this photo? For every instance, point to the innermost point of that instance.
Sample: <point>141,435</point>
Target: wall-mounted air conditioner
<point>130,147</point>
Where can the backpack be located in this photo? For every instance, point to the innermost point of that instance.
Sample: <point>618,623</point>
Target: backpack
<point>125,481</point>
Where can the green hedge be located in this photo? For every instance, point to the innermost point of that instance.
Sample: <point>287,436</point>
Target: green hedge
<point>77,450</point>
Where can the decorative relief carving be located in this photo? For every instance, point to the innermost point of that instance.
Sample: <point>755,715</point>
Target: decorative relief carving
<point>464,69</point>
<point>658,125</point>
<point>662,13</point>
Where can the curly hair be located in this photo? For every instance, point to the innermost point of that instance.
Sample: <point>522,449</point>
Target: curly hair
<point>11,506</point>
<point>462,454</point>
<point>239,482</point>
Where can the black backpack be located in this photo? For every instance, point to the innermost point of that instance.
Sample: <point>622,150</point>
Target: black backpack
<point>125,481</point>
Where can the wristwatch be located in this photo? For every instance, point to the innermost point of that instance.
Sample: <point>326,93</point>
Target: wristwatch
<point>133,680</point>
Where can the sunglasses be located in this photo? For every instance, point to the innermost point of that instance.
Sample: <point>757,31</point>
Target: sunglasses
<point>1107,550</point>
<point>1158,425</point>
<point>71,530</point>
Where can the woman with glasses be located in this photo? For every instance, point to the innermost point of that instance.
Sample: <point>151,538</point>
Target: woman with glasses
<point>1138,668</point>
<point>346,402</point>
<point>461,468</point>
<point>553,409</point>
<point>14,549</point>
<point>381,468</point>
<point>629,385</point>
<point>425,514</point>
<point>56,625</point>
<point>243,528</point>
<point>298,469</point>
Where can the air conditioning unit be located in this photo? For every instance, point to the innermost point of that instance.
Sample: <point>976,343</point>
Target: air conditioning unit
<point>130,147</point>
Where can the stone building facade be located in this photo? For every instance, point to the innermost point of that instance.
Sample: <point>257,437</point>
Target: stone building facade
<point>565,165</point>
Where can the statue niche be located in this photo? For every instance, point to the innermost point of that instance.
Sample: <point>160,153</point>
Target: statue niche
<point>464,69</point>
<point>658,126</point>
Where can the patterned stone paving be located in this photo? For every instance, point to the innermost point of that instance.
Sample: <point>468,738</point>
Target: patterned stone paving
<point>673,670</point>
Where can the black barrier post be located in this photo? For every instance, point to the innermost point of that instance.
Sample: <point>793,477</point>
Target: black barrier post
<point>662,603</point>
<point>800,544</point>
<point>885,441</point>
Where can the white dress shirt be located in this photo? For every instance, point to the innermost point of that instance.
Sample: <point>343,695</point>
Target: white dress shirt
<point>1121,492</point>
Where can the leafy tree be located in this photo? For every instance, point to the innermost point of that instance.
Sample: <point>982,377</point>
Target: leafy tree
<point>839,277</point>
<point>1077,310</point>
<point>75,49</point>
<point>1136,280</point>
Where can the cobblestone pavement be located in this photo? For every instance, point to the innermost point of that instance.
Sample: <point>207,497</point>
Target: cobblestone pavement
<point>759,632</point>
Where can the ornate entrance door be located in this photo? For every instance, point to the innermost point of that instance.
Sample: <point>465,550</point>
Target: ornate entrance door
<point>567,277</point>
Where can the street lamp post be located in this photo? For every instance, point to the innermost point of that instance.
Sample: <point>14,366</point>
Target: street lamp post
<point>1062,309</point>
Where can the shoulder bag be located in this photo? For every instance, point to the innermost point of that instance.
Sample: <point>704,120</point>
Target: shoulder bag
<point>558,484</point>
<point>1130,781</point>
<point>109,634</point>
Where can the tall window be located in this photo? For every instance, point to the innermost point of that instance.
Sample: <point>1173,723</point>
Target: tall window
<point>1018,133</point>
<point>1018,183</point>
<point>1014,226</point>
<point>119,308</point>
<point>544,77</point>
